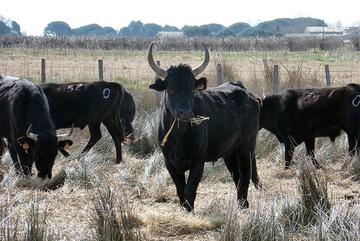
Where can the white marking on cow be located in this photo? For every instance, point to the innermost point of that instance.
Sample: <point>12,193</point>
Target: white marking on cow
<point>106,93</point>
<point>69,88</point>
<point>356,101</point>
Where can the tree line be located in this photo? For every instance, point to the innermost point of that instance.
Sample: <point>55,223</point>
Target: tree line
<point>277,27</point>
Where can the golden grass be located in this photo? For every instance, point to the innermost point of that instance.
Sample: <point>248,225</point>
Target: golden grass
<point>144,182</point>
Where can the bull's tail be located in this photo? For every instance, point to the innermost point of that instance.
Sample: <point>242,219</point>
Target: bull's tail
<point>119,125</point>
<point>254,175</point>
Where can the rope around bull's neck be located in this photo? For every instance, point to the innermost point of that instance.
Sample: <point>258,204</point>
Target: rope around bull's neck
<point>194,120</point>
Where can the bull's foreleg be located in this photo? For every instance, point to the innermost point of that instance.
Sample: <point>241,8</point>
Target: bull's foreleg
<point>195,175</point>
<point>179,180</point>
<point>354,146</point>
<point>310,152</point>
<point>25,164</point>
<point>95,136</point>
<point>116,136</point>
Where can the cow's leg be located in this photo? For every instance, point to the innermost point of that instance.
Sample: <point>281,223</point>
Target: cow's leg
<point>353,145</point>
<point>238,164</point>
<point>179,180</point>
<point>116,136</point>
<point>195,175</point>
<point>310,151</point>
<point>95,135</point>
<point>25,164</point>
<point>289,151</point>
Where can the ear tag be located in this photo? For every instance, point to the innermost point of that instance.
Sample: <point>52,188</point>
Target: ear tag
<point>67,147</point>
<point>25,146</point>
<point>200,87</point>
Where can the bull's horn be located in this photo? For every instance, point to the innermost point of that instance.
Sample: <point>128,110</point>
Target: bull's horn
<point>64,136</point>
<point>31,135</point>
<point>160,71</point>
<point>200,68</point>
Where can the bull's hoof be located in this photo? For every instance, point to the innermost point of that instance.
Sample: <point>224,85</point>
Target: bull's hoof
<point>187,206</point>
<point>243,204</point>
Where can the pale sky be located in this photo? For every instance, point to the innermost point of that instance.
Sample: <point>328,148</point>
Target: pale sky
<point>33,16</point>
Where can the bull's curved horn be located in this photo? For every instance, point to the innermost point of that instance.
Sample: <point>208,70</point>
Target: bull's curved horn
<point>160,71</point>
<point>200,68</point>
<point>64,136</point>
<point>31,135</point>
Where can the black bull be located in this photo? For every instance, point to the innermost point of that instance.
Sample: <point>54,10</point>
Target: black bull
<point>301,115</point>
<point>25,122</point>
<point>229,132</point>
<point>90,104</point>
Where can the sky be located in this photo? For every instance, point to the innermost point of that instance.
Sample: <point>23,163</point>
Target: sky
<point>33,16</point>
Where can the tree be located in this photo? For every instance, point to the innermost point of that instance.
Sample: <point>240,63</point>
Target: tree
<point>169,28</point>
<point>226,32</point>
<point>214,27</point>
<point>255,32</point>
<point>4,29</point>
<point>125,32</point>
<point>57,28</point>
<point>236,28</point>
<point>197,31</point>
<point>149,30</point>
<point>15,27</point>
<point>90,29</point>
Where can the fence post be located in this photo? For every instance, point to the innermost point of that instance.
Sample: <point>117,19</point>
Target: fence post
<point>327,73</point>
<point>43,76</point>
<point>158,94</point>
<point>101,71</point>
<point>219,74</point>
<point>275,83</point>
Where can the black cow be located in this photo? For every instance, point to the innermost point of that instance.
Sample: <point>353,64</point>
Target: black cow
<point>25,122</point>
<point>90,104</point>
<point>301,115</point>
<point>198,126</point>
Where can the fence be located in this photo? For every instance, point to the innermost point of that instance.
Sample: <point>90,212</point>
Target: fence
<point>218,68</point>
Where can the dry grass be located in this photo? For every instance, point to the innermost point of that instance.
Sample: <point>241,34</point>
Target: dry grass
<point>140,191</point>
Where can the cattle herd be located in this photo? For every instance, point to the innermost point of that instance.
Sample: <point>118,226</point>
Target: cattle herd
<point>197,124</point>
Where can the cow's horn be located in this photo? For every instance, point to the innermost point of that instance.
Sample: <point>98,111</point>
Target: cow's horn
<point>31,135</point>
<point>200,68</point>
<point>64,136</point>
<point>160,71</point>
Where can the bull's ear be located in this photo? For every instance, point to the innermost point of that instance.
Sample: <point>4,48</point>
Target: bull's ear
<point>65,144</point>
<point>24,142</point>
<point>201,83</point>
<point>158,86</point>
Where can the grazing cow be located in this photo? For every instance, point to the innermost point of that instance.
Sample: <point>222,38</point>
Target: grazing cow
<point>301,115</point>
<point>25,122</point>
<point>90,104</point>
<point>198,126</point>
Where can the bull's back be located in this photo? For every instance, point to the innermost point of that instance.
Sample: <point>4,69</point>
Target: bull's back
<point>233,119</point>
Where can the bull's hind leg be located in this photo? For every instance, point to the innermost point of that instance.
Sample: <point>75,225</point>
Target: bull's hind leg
<point>238,164</point>
<point>116,135</point>
<point>310,151</point>
<point>95,135</point>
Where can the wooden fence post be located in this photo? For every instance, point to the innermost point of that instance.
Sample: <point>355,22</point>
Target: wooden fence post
<point>327,73</point>
<point>43,76</point>
<point>158,94</point>
<point>101,70</point>
<point>219,74</point>
<point>275,83</point>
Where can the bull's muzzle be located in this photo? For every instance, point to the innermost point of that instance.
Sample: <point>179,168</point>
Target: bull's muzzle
<point>185,114</point>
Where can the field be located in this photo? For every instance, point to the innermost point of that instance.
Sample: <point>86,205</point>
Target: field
<point>91,198</point>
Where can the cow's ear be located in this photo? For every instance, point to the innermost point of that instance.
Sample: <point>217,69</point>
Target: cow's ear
<point>24,142</point>
<point>159,85</point>
<point>65,144</point>
<point>201,83</point>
